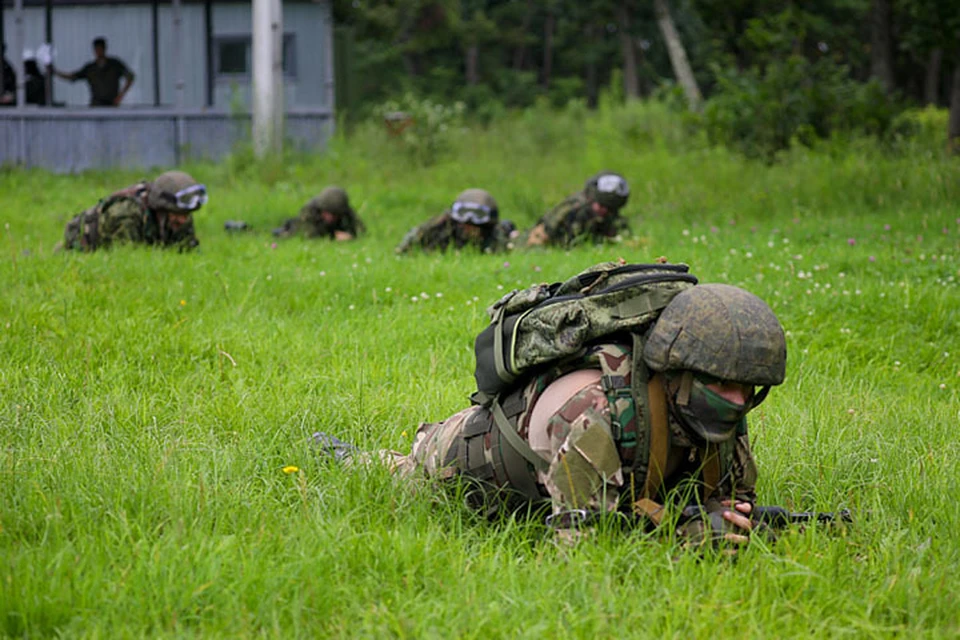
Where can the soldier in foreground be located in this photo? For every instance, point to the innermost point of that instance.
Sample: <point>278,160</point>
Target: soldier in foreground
<point>472,220</point>
<point>154,213</point>
<point>638,425</point>
<point>328,215</point>
<point>592,214</point>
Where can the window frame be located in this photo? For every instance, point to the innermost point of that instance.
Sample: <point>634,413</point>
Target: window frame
<point>289,56</point>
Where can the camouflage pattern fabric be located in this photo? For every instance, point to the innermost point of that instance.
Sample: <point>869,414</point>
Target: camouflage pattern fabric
<point>589,460</point>
<point>442,232</point>
<point>574,220</point>
<point>317,221</point>
<point>124,218</point>
<point>720,330</point>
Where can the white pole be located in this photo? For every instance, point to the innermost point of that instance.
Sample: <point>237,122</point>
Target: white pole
<point>276,32</point>
<point>178,83</point>
<point>267,64</point>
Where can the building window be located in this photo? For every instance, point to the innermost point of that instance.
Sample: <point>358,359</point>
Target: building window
<point>234,60</point>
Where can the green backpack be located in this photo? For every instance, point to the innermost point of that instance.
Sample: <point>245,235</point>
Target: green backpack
<point>540,325</point>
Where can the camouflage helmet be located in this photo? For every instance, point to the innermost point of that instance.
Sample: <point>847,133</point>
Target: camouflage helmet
<point>475,206</point>
<point>166,189</point>
<point>722,331</point>
<point>334,200</point>
<point>609,189</point>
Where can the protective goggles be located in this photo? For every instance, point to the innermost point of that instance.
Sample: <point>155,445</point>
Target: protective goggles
<point>613,184</point>
<point>471,213</point>
<point>191,198</point>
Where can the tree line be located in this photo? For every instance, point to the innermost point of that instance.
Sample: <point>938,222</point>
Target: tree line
<point>512,53</point>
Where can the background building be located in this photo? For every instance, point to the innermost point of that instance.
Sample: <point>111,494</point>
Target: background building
<point>211,55</point>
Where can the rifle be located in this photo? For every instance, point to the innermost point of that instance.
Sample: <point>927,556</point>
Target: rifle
<point>778,517</point>
<point>773,517</point>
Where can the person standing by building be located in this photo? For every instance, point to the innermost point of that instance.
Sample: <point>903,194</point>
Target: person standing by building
<point>8,82</point>
<point>103,74</point>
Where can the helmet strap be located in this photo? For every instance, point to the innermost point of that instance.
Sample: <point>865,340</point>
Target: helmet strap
<point>760,396</point>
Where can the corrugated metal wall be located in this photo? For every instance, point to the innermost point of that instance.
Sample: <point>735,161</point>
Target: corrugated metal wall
<point>88,139</point>
<point>128,30</point>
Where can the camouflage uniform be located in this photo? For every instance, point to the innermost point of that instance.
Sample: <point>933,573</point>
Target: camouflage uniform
<point>590,457</point>
<point>445,231</point>
<point>583,434</point>
<point>137,214</point>
<point>574,219</point>
<point>323,216</point>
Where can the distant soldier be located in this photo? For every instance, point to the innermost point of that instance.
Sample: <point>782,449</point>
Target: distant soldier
<point>155,213</point>
<point>472,220</point>
<point>328,215</point>
<point>592,214</point>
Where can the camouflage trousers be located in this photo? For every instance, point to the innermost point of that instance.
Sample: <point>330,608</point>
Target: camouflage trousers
<point>584,466</point>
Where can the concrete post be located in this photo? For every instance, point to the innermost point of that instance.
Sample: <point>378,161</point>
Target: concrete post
<point>267,54</point>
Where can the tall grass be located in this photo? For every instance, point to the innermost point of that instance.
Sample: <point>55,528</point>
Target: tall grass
<point>151,400</point>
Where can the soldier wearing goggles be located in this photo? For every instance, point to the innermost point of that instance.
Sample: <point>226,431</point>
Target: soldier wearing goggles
<point>471,221</point>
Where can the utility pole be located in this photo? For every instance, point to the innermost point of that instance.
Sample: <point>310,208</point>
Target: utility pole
<point>267,54</point>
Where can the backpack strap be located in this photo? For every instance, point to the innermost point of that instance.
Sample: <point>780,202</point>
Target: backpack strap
<point>711,470</point>
<point>659,441</point>
<point>509,432</point>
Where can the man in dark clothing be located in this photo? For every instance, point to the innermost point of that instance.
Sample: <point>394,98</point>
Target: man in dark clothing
<point>8,87</point>
<point>103,74</point>
<point>35,85</point>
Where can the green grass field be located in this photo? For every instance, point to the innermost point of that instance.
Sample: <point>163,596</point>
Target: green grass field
<point>151,400</point>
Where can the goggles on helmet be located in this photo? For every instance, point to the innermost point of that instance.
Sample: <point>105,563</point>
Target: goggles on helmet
<point>471,213</point>
<point>613,184</point>
<point>191,198</point>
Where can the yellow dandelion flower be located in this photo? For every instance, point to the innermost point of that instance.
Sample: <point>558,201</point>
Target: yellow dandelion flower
<point>290,469</point>
<point>404,434</point>
<point>183,303</point>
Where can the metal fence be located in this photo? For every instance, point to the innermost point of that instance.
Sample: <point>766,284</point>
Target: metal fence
<point>70,140</point>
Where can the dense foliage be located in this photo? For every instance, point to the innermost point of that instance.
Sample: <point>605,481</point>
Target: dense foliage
<point>772,73</point>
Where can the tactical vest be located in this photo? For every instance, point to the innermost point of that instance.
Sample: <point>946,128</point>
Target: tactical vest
<point>639,425</point>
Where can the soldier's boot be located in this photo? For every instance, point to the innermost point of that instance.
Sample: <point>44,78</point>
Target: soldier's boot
<point>332,446</point>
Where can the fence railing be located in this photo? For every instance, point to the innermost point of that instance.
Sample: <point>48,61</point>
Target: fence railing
<point>75,139</point>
